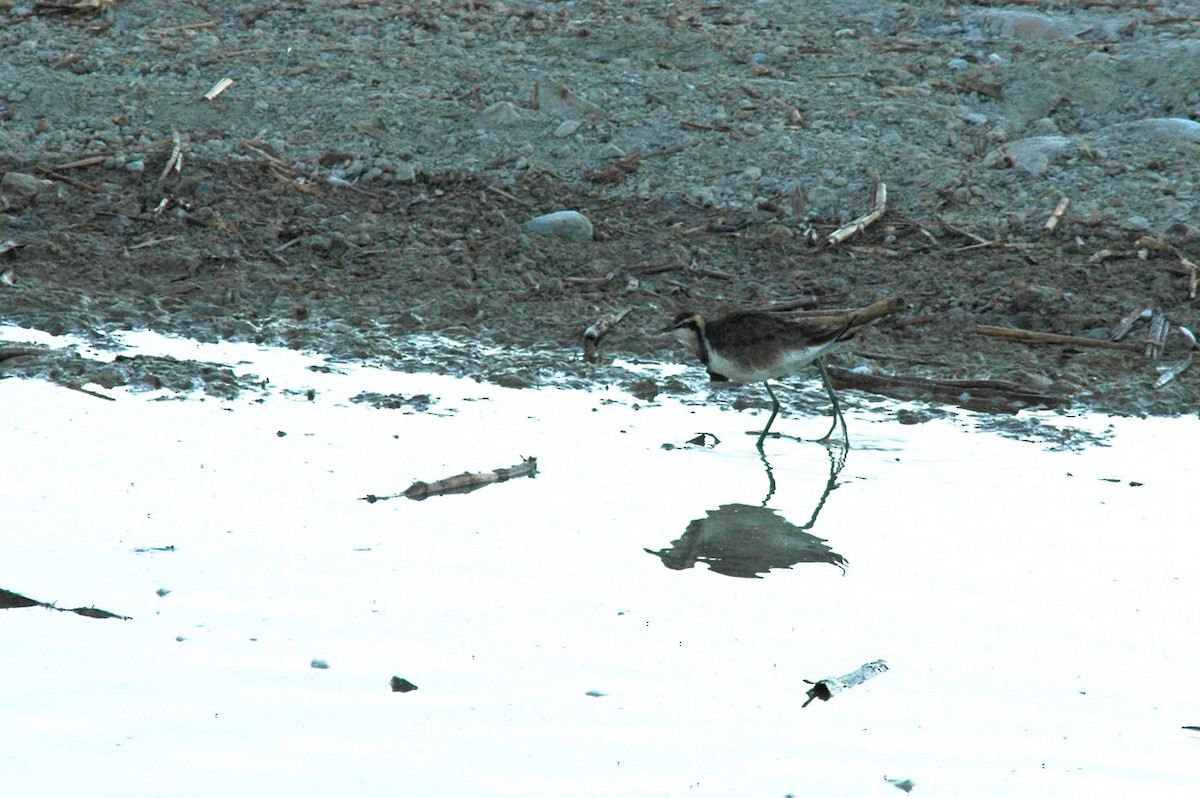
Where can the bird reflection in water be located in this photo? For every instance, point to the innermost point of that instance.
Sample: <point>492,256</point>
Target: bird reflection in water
<point>748,541</point>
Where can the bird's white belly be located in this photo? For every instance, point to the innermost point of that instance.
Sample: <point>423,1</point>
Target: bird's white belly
<point>789,362</point>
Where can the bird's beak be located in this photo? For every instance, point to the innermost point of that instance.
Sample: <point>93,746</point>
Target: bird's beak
<point>664,330</point>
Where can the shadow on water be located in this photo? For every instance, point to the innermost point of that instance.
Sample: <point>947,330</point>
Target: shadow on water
<point>747,541</point>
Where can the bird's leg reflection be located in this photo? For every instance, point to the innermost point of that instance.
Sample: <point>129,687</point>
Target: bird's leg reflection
<point>770,476</point>
<point>836,464</point>
<point>837,461</point>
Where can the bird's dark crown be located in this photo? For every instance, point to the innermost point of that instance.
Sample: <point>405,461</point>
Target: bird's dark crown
<point>687,319</point>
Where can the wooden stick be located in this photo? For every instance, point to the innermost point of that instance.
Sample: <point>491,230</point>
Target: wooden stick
<point>152,243</point>
<point>176,160</point>
<point>9,352</point>
<point>1190,266</point>
<point>181,28</point>
<point>597,330</point>
<point>496,189</point>
<point>218,88</point>
<point>82,162</point>
<point>68,180</point>
<point>1126,324</point>
<point>853,317</point>
<point>827,688</point>
<point>1157,336</point>
<point>462,483</point>
<point>853,228</point>
<point>990,393</point>
<point>1033,337</point>
<point>1168,373</point>
<point>10,600</point>
<point>1056,216</point>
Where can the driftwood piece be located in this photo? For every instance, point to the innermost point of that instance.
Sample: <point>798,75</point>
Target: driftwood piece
<point>1190,267</point>
<point>462,483</point>
<point>9,352</point>
<point>1126,324</point>
<point>1034,337</point>
<point>1056,216</point>
<point>72,6</point>
<point>996,394</point>
<point>1156,336</point>
<point>10,600</point>
<point>852,317</point>
<point>175,161</point>
<point>1168,373</point>
<point>597,330</point>
<point>826,689</point>
<point>856,226</point>
<point>218,88</point>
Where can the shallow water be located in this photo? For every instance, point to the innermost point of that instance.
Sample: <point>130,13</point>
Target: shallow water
<point>1037,606</point>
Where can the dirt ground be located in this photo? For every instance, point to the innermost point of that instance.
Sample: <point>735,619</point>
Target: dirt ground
<point>363,185</point>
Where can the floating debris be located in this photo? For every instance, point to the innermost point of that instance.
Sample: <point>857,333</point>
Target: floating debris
<point>10,600</point>
<point>462,483</point>
<point>826,689</point>
<point>400,685</point>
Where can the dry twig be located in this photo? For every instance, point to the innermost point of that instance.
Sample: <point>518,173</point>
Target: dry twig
<point>991,394</point>
<point>1034,337</point>
<point>1056,216</point>
<point>1126,324</point>
<point>1156,336</point>
<point>853,228</point>
<point>175,162</point>
<point>597,330</point>
<point>827,688</point>
<point>462,483</point>
<point>218,88</point>
<point>853,317</point>
<point>1168,373</point>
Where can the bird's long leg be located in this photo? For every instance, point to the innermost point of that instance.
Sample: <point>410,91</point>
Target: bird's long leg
<point>837,410</point>
<point>774,412</point>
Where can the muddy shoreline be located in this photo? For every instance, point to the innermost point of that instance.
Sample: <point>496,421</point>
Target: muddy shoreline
<point>702,145</point>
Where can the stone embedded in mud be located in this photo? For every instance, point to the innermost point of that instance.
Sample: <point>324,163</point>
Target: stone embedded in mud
<point>569,225</point>
<point>501,114</point>
<point>1027,25</point>
<point>22,189</point>
<point>1032,155</point>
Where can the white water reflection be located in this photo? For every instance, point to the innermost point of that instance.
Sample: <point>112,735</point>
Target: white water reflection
<point>1037,609</point>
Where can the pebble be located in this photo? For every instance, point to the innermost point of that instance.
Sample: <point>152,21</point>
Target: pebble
<point>567,128</point>
<point>1136,224</point>
<point>1032,155</point>
<point>24,185</point>
<point>1026,25</point>
<point>501,114</point>
<point>406,171</point>
<point>567,225</point>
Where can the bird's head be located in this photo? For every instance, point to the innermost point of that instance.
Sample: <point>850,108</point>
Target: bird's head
<point>687,327</point>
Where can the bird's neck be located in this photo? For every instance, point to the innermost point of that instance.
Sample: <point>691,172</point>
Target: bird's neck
<point>702,349</point>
